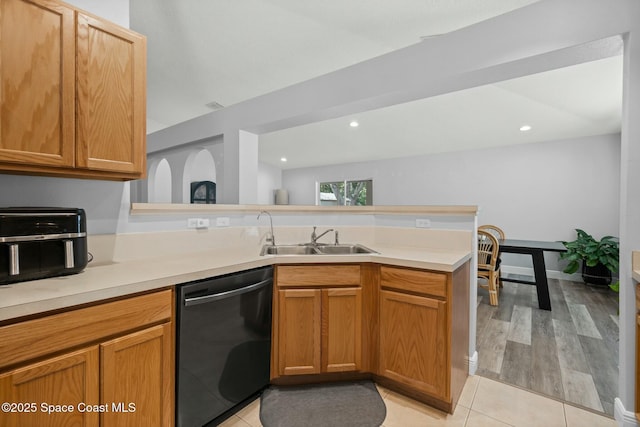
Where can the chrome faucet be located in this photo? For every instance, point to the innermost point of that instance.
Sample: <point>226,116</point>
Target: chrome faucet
<point>315,237</point>
<point>271,238</point>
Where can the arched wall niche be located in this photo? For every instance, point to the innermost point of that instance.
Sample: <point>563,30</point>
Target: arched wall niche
<point>199,166</point>
<point>159,181</point>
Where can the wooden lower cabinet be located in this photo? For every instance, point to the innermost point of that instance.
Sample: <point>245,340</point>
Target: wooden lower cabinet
<point>47,393</point>
<point>319,330</point>
<point>424,333</point>
<point>123,376</point>
<point>413,342</point>
<point>407,328</point>
<point>136,375</point>
<point>342,329</point>
<point>300,331</point>
<point>317,319</point>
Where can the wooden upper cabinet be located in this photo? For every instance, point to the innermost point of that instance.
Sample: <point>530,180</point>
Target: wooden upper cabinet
<point>111,103</point>
<point>72,93</point>
<point>37,69</point>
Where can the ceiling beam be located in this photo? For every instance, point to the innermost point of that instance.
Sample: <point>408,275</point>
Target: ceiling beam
<point>503,47</point>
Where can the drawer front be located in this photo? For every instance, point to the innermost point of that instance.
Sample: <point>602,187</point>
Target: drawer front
<point>27,340</point>
<point>301,276</point>
<point>416,281</point>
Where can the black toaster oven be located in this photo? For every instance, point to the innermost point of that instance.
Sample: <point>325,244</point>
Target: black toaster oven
<point>41,242</point>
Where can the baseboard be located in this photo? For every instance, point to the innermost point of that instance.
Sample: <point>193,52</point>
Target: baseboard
<point>623,417</point>
<point>473,363</point>
<point>551,274</point>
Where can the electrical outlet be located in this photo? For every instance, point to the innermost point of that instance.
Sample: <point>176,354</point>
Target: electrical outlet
<point>192,223</point>
<point>203,223</point>
<point>222,221</point>
<point>423,223</point>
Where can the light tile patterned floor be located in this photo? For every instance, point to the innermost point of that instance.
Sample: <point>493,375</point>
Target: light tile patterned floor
<point>484,402</point>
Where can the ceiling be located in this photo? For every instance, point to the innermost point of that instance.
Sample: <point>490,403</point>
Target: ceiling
<point>228,51</point>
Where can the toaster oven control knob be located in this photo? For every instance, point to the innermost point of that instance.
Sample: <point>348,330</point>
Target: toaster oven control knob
<point>69,262</point>
<point>14,260</point>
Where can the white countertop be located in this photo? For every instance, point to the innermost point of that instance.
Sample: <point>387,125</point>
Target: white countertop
<point>99,282</point>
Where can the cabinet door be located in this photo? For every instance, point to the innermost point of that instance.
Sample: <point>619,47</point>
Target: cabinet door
<point>299,331</point>
<point>136,378</point>
<point>341,329</point>
<point>111,98</point>
<point>37,83</point>
<point>71,380</point>
<point>413,344</point>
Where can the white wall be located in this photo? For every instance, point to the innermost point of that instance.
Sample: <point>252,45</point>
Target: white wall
<point>116,11</point>
<point>539,191</point>
<point>269,179</point>
<point>533,191</point>
<point>160,183</point>
<point>187,164</point>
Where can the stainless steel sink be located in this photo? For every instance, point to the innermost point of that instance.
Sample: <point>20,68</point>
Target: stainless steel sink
<point>320,249</point>
<point>345,249</point>
<point>288,250</point>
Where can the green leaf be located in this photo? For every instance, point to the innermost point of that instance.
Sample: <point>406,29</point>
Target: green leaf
<point>572,267</point>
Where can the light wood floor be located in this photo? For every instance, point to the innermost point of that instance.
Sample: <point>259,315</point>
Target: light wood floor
<point>569,353</point>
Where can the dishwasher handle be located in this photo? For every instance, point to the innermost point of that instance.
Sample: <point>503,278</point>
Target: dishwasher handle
<point>227,294</point>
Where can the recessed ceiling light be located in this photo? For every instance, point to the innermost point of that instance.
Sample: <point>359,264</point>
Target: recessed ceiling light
<point>525,128</point>
<point>354,124</point>
<point>283,159</point>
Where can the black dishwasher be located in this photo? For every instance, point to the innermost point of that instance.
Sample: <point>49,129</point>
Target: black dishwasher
<point>224,344</point>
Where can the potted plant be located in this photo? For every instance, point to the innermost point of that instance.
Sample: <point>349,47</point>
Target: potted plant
<point>599,258</point>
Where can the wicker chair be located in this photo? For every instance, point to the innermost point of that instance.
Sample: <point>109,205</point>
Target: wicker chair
<point>498,234</point>
<point>488,269</point>
<point>493,229</point>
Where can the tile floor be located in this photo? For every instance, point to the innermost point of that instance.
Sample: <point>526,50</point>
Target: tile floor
<point>484,402</point>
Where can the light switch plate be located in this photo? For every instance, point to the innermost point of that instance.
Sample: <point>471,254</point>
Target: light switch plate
<point>222,221</point>
<point>203,223</point>
<point>423,223</point>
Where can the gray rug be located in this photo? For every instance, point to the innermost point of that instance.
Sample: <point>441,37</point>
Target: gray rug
<point>346,404</point>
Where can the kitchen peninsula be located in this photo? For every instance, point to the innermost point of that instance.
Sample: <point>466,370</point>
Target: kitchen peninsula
<point>133,275</point>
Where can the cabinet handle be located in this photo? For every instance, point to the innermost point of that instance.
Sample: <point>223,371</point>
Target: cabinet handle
<point>228,294</point>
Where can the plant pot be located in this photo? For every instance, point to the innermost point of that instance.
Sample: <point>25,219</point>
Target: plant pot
<point>596,275</point>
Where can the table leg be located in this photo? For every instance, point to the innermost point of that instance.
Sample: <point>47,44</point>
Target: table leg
<point>542,286</point>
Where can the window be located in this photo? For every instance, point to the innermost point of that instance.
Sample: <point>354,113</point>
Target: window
<point>346,193</point>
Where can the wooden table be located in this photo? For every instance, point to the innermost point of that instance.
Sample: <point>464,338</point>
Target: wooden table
<point>536,249</point>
